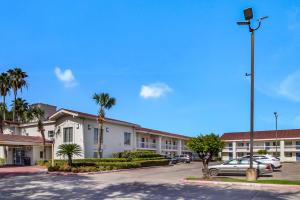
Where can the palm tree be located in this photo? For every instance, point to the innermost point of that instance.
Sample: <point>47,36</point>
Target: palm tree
<point>17,81</point>
<point>20,107</point>
<point>105,102</point>
<point>4,89</point>
<point>38,114</point>
<point>69,150</point>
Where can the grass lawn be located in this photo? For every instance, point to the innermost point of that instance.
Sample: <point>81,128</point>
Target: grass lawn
<point>227,179</point>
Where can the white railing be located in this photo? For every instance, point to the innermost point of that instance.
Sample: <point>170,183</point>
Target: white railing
<point>292,147</point>
<point>146,145</point>
<point>169,146</point>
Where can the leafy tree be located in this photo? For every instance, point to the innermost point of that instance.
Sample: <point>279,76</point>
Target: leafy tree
<point>105,102</point>
<point>4,89</point>
<point>69,150</point>
<point>206,146</point>
<point>17,79</point>
<point>262,152</point>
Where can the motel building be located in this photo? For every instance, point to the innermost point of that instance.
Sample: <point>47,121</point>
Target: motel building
<point>23,144</point>
<point>287,142</point>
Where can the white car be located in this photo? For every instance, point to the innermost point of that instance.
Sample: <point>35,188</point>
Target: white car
<point>267,159</point>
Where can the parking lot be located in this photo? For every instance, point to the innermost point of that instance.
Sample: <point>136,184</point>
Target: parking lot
<point>148,183</point>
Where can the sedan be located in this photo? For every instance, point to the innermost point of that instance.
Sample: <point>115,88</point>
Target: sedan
<point>239,166</point>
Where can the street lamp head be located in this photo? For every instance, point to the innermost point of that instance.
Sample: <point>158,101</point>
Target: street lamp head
<point>276,114</point>
<point>243,23</point>
<point>248,14</point>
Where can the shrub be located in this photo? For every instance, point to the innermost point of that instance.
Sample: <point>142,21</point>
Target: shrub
<point>54,168</point>
<point>2,161</point>
<point>87,169</point>
<point>136,154</point>
<point>117,165</point>
<point>262,152</point>
<point>149,163</point>
<point>65,168</point>
<point>154,158</point>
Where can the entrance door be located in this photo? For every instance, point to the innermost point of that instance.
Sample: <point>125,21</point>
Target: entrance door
<point>19,155</point>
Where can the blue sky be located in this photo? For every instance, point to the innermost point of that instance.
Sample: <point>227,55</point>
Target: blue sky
<point>173,65</point>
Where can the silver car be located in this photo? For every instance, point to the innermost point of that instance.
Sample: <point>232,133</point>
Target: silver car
<point>239,166</point>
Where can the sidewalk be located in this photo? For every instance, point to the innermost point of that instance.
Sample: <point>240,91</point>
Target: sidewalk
<point>248,185</point>
<point>20,170</point>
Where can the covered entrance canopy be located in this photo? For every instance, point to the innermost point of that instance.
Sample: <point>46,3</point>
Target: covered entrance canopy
<point>22,150</point>
<point>19,140</point>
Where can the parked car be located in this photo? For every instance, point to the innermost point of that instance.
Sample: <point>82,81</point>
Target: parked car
<point>184,158</point>
<point>239,166</point>
<point>267,159</point>
<point>172,160</point>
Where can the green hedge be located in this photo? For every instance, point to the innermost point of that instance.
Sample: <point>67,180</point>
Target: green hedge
<point>136,154</point>
<point>2,161</point>
<point>149,163</point>
<point>81,161</point>
<point>154,158</point>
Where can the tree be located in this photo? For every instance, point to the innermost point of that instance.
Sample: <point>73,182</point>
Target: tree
<point>38,113</point>
<point>262,152</point>
<point>206,146</point>
<point>105,102</point>
<point>4,89</point>
<point>21,108</point>
<point>69,150</point>
<point>17,79</point>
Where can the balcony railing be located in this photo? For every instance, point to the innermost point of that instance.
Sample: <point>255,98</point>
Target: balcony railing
<point>292,147</point>
<point>146,145</point>
<point>169,147</point>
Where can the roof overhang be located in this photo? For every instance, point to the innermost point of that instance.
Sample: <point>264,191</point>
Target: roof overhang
<point>63,112</point>
<point>21,140</point>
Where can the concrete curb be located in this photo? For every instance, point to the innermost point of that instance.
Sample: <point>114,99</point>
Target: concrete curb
<point>101,172</point>
<point>252,185</point>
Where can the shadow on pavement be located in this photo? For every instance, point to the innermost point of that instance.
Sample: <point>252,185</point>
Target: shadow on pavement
<point>84,187</point>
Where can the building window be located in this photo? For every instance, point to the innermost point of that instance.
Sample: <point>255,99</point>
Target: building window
<point>288,154</point>
<point>41,154</point>
<point>68,135</point>
<point>50,134</point>
<point>96,135</point>
<point>127,137</point>
<point>274,144</point>
<point>288,143</point>
<point>240,144</point>
<point>230,146</point>
<point>267,145</point>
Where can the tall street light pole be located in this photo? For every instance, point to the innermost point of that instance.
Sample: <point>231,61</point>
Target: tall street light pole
<point>276,134</point>
<point>248,14</point>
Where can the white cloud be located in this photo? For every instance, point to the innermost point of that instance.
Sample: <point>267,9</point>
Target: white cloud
<point>154,90</point>
<point>66,77</point>
<point>290,87</point>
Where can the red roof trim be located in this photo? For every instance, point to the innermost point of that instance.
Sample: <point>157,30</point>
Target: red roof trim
<point>22,138</point>
<point>162,132</point>
<point>82,114</point>
<point>269,134</point>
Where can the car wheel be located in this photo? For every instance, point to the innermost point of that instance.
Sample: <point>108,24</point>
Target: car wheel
<point>213,172</point>
<point>273,167</point>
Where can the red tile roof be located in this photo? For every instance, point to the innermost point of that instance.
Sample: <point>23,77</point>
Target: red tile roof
<point>271,134</point>
<point>22,138</point>
<point>162,133</point>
